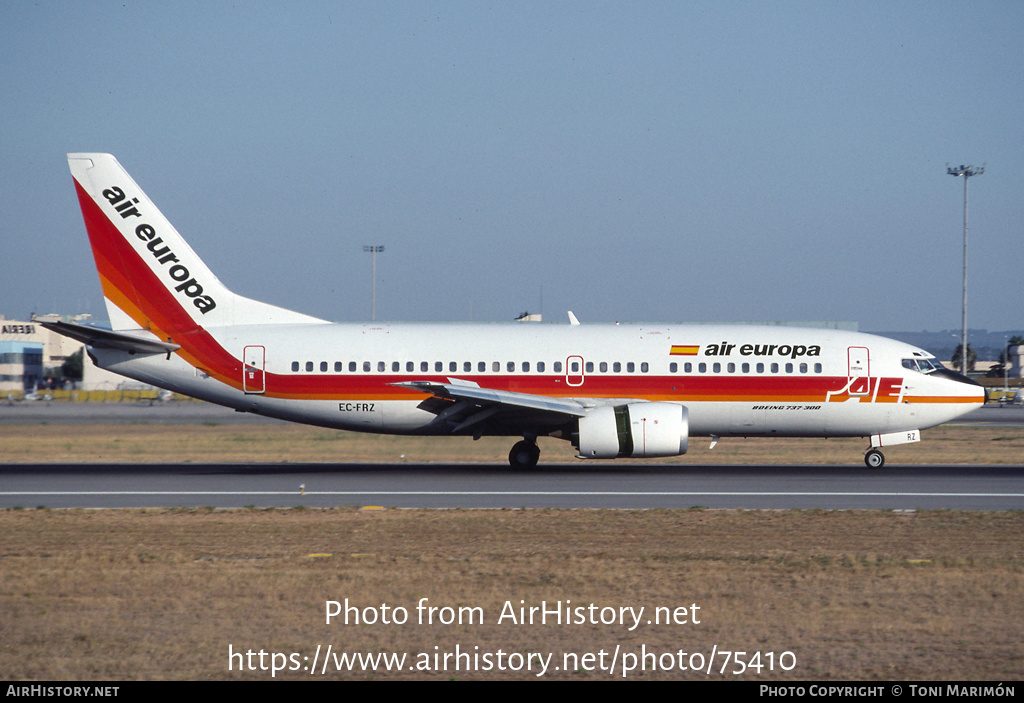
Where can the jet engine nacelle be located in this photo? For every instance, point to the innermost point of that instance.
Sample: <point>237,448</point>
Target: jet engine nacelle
<point>634,430</point>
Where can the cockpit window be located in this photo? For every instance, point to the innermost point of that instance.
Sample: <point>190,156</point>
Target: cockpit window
<point>922,365</point>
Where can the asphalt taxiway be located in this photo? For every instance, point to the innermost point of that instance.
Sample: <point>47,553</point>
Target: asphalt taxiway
<point>626,486</point>
<point>188,412</point>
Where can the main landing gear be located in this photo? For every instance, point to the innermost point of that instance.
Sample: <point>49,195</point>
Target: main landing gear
<point>874,459</point>
<point>524,455</point>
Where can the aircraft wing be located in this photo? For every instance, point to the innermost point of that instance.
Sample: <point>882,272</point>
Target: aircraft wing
<point>473,404</point>
<point>106,339</point>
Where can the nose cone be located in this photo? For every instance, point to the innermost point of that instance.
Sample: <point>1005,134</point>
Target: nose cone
<point>968,387</point>
<point>962,394</point>
<point>980,397</point>
<point>942,396</point>
<point>958,377</point>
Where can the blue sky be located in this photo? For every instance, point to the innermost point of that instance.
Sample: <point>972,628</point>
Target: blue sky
<point>628,161</point>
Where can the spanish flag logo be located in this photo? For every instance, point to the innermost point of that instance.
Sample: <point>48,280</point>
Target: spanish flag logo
<point>685,349</point>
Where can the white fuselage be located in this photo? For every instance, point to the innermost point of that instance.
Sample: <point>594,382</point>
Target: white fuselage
<point>734,379</point>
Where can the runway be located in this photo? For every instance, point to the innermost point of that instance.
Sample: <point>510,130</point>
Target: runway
<point>189,412</point>
<point>629,486</point>
<point>624,486</point>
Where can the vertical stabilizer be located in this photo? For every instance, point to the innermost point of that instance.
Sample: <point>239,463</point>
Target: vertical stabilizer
<point>151,278</point>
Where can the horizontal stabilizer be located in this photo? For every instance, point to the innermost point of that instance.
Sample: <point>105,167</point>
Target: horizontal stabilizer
<point>105,339</point>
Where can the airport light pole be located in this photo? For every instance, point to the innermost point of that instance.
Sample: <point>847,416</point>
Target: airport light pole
<point>1006,364</point>
<point>966,172</point>
<point>374,250</point>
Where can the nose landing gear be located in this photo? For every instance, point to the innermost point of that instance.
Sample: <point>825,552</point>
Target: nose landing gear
<point>874,459</point>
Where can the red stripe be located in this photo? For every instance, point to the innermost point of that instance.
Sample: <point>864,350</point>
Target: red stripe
<point>135,288</point>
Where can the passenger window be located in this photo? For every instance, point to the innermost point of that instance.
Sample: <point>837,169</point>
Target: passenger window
<point>817,368</point>
<point>526,367</point>
<point>644,367</point>
<point>366,366</point>
<point>590,367</point>
<point>775,367</point>
<point>673,367</point>
<point>575,367</point>
<point>617,367</point>
<point>746,367</point>
<point>702,367</point>
<point>381,367</point>
<point>481,366</point>
<point>630,367</point>
<point>410,366</point>
<point>557,367</point>
<point>687,367</point>
<point>337,367</point>
<point>396,366</point>
<point>439,366</point>
<point>309,366</point>
<point>424,366</point>
<point>540,367</point>
<point>453,366</point>
<point>295,366</point>
<point>731,368</point>
<point>323,366</point>
<point>803,368</point>
<point>511,366</point>
<point>467,366</point>
<point>717,367</point>
<point>760,367</point>
<point>789,368</point>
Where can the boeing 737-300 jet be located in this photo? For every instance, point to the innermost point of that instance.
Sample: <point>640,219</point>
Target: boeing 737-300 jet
<point>638,390</point>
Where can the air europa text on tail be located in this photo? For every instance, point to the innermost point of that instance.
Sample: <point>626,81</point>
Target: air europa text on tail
<point>186,284</point>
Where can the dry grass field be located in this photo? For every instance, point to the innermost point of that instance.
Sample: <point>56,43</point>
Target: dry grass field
<point>167,594</point>
<point>163,594</point>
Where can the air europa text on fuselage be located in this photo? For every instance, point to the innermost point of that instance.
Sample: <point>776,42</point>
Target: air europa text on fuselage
<point>790,350</point>
<point>160,251</point>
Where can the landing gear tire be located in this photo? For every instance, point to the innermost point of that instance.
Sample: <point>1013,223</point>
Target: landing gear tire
<point>874,459</point>
<point>524,455</point>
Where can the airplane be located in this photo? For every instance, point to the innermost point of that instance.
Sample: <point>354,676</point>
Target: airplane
<point>612,390</point>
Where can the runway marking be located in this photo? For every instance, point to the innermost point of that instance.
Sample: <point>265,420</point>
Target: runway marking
<point>512,493</point>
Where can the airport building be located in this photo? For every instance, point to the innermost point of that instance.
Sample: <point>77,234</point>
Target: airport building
<point>21,355</point>
<point>1016,355</point>
<point>29,353</point>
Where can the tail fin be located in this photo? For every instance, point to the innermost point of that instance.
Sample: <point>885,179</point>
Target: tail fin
<point>151,278</point>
